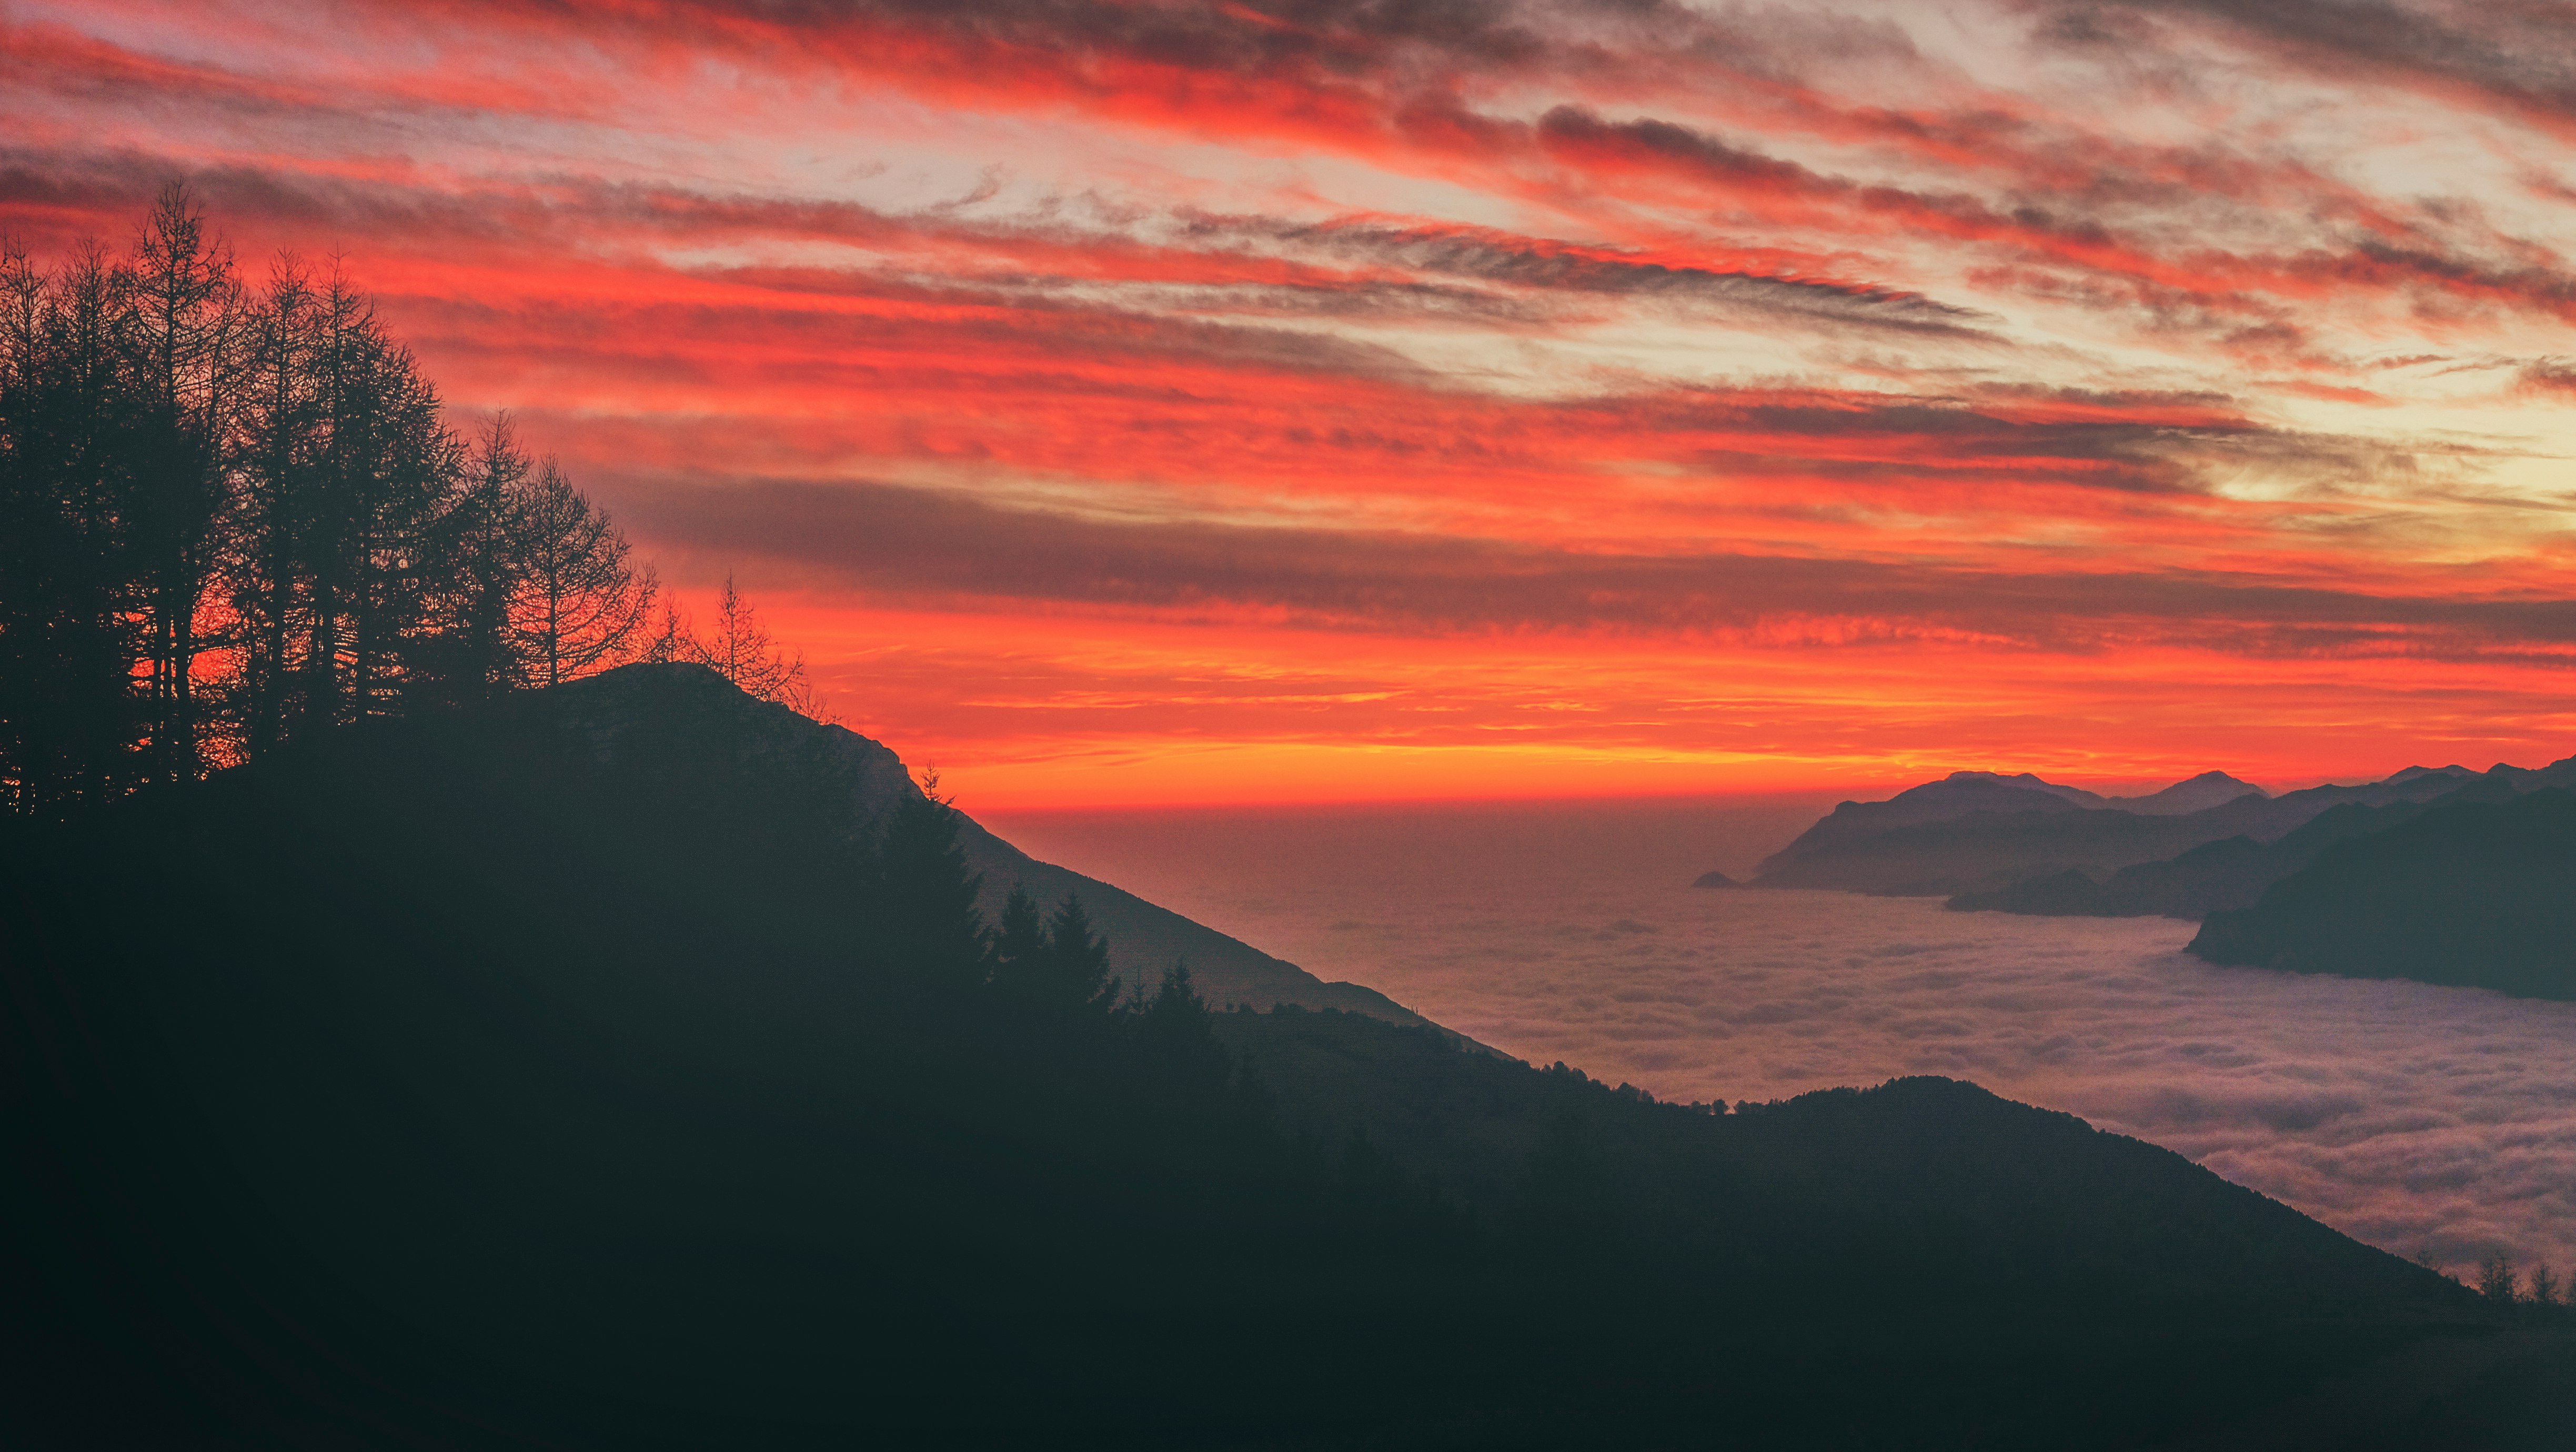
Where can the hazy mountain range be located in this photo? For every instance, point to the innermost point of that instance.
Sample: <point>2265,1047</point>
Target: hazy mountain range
<point>2438,873</point>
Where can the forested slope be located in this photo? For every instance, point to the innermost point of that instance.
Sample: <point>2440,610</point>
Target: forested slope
<point>868,778</point>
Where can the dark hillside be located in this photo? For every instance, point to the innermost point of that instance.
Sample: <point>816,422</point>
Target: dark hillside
<point>1144,939</point>
<point>475,1082</point>
<point>1836,1187</point>
<point>466,1084</point>
<point>2479,893</point>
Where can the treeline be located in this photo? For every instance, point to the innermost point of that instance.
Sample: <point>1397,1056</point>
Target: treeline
<point>2502,1283</point>
<point>235,514</point>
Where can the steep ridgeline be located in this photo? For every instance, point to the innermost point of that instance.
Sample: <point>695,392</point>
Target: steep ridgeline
<point>1145,940</point>
<point>2478,889</point>
<point>2020,844</point>
<point>562,1074</point>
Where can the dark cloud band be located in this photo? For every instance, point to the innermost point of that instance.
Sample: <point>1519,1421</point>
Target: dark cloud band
<point>901,542</point>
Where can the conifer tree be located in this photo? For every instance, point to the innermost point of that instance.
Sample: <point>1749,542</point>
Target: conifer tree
<point>744,654</point>
<point>183,350</point>
<point>479,568</point>
<point>1075,976</point>
<point>932,930</point>
<point>1019,948</point>
<point>1179,1037</point>
<point>228,520</point>
<point>276,452</point>
<point>345,467</point>
<point>581,604</point>
<point>388,467</point>
<point>2497,1281</point>
<point>671,639</point>
<point>69,715</point>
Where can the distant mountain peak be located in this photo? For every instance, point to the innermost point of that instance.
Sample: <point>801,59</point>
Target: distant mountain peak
<point>2023,781</point>
<point>2026,781</point>
<point>2191,794</point>
<point>2412,772</point>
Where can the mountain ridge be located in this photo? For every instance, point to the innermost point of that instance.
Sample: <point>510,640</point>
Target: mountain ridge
<point>487,1082</point>
<point>1996,844</point>
<point>1145,938</point>
<point>2475,890</point>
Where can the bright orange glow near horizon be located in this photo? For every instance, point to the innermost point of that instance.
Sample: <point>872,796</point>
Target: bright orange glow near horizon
<point>1323,400</point>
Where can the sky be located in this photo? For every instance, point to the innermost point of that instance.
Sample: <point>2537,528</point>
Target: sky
<point>1305,400</point>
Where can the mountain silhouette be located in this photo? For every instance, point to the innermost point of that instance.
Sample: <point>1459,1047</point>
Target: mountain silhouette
<point>2229,873</point>
<point>2016,844</point>
<point>2472,891</point>
<point>1145,939</point>
<point>586,1070</point>
<point>2232,873</point>
<point>2192,794</point>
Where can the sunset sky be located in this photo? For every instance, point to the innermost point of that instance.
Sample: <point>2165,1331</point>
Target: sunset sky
<point>1140,402</point>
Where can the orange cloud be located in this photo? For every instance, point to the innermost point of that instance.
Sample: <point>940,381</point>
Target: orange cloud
<point>1248,401</point>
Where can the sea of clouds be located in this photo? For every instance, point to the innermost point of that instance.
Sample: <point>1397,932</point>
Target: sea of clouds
<point>2413,1117</point>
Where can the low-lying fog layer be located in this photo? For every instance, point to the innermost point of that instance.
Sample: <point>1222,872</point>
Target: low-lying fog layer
<point>2406,1115</point>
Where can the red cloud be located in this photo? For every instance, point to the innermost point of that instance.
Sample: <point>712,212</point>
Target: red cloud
<point>1390,349</point>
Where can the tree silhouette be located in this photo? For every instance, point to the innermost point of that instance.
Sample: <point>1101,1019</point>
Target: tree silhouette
<point>1179,1037</point>
<point>2496,1279</point>
<point>740,650</point>
<point>231,518</point>
<point>388,470</point>
<point>926,894</point>
<point>1051,964</point>
<point>70,716</point>
<point>1075,976</point>
<point>275,457</point>
<point>746,656</point>
<point>477,546</point>
<point>346,468</point>
<point>580,604</point>
<point>187,317</point>
<point>1019,948</point>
